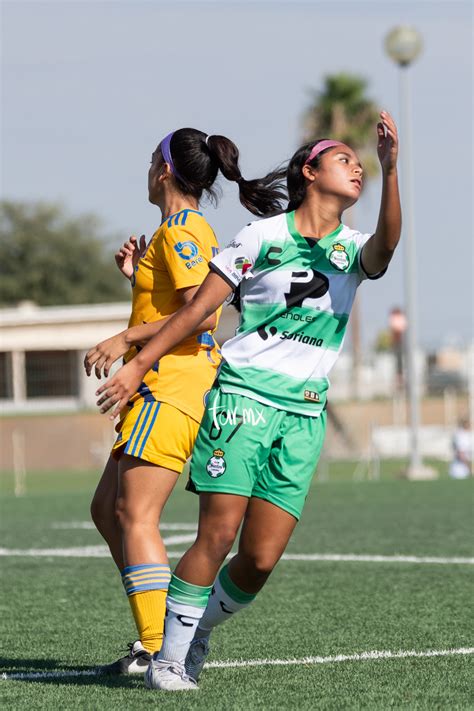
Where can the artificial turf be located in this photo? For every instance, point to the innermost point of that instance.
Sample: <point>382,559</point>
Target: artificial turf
<point>61,613</point>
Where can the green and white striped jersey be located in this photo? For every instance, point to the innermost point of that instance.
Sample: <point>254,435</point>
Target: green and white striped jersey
<point>296,296</point>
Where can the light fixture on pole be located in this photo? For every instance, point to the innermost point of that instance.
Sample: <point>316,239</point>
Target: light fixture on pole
<point>403,45</point>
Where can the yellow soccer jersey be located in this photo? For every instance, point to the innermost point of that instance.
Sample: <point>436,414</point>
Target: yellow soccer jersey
<point>177,257</point>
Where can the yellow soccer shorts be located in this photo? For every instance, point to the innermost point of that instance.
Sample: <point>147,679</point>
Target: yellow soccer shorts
<point>158,433</point>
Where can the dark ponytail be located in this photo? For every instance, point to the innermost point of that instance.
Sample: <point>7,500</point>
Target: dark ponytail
<point>261,196</point>
<point>295,179</point>
<point>197,159</point>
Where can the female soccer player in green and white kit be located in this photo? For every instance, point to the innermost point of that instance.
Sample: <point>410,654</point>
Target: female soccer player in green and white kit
<point>265,420</point>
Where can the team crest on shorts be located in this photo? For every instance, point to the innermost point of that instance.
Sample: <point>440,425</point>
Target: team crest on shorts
<point>216,465</point>
<point>339,257</point>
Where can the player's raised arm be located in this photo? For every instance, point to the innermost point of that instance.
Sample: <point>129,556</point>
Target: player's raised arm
<point>117,391</point>
<point>379,249</point>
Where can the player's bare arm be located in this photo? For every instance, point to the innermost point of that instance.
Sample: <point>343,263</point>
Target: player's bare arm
<point>210,295</point>
<point>379,250</point>
<point>102,356</point>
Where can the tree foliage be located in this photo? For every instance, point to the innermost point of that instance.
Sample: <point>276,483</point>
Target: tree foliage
<point>51,258</point>
<point>342,111</point>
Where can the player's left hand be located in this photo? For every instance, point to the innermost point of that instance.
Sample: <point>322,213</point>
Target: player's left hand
<point>104,354</point>
<point>117,391</point>
<point>387,145</point>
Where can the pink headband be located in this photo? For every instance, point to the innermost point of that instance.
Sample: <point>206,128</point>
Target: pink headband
<point>321,146</point>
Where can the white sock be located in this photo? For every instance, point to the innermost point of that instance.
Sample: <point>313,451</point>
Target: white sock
<point>222,606</point>
<point>180,625</point>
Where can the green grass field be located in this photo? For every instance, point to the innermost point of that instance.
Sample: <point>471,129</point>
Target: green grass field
<point>63,614</point>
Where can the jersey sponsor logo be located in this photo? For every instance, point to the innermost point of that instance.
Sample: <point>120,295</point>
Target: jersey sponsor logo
<point>307,284</point>
<point>311,396</point>
<point>234,244</point>
<point>272,331</point>
<point>299,336</point>
<point>339,257</point>
<point>216,465</point>
<point>242,264</point>
<point>193,262</point>
<point>295,316</point>
<point>302,337</point>
<point>221,417</point>
<point>187,250</point>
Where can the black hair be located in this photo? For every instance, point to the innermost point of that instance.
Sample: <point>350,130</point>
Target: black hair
<point>295,179</point>
<point>197,162</point>
<point>296,185</point>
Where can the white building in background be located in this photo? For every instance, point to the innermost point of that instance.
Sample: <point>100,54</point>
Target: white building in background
<point>42,351</point>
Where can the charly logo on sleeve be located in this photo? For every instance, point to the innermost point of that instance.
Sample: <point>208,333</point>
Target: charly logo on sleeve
<point>216,465</point>
<point>339,257</point>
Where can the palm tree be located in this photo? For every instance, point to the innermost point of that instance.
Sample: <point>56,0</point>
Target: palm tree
<point>341,110</point>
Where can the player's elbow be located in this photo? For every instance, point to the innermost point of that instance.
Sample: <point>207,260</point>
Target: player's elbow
<point>208,324</point>
<point>211,322</point>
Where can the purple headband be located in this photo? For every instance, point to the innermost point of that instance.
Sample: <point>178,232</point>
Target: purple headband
<point>321,146</point>
<point>165,148</point>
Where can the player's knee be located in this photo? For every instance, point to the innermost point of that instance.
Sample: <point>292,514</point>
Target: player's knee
<point>259,564</point>
<point>101,514</point>
<point>217,541</point>
<point>132,517</point>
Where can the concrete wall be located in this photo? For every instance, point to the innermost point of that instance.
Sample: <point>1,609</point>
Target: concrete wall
<point>83,440</point>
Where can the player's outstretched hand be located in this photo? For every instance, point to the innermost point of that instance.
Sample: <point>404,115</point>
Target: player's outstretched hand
<point>387,145</point>
<point>130,254</point>
<point>104,354</point>
<point>117,391</point>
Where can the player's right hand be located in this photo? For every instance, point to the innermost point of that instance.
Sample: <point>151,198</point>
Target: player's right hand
<point>104,354</point>
<point>130,254</point>
<point>117,391</point>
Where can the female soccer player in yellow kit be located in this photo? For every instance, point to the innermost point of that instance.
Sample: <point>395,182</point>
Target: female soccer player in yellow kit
<point>159,424</point>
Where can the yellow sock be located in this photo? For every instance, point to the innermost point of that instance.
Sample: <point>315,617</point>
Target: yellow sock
<point>146,586</point>
<point>149,610</point>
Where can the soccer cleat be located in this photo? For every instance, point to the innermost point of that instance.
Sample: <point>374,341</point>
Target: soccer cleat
<point>168,676</point>
<point>196,656</point>
<point>137,661</point>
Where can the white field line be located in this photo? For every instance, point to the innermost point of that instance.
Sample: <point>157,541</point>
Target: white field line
<point>233,664</point>
<point>363,558</point>
<point>173,540</point>
<point>89,526</point>
<point>103,552</point>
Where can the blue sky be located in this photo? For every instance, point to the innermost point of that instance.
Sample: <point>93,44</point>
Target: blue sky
<point>89,89</point>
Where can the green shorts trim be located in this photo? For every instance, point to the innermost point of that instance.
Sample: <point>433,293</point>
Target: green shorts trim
<point>247,448</point>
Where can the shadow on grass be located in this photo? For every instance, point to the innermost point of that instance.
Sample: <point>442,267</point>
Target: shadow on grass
<point>51,671</point>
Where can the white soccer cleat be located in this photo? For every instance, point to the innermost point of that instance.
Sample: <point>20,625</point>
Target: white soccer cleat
<point>196,656</point>
<point>168,676</point>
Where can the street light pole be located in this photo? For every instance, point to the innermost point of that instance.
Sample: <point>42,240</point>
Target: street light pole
<point>410,271</point>
<point>403,44</point>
